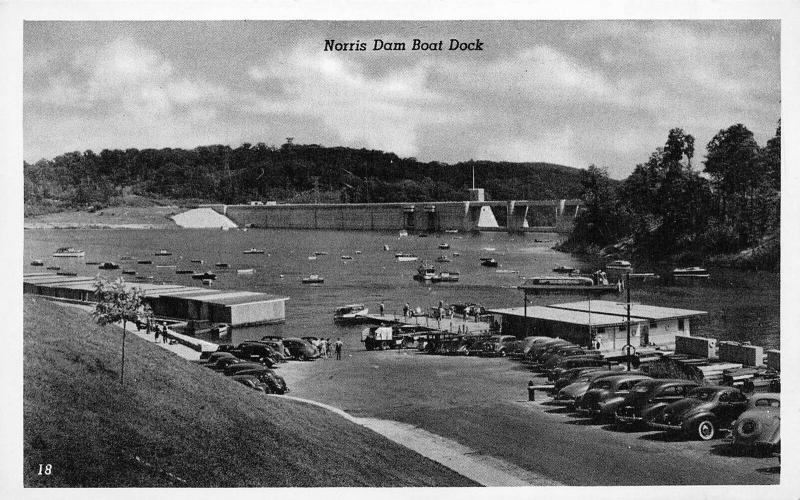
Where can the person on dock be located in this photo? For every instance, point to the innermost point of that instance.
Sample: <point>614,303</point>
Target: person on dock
<point>323,348</point>
<point>406,308</point>
<point>339,349</point>
<point>155,331</point>
<point>380,308</point>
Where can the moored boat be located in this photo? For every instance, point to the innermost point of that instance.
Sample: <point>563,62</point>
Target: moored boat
<point>37,262</point>
<point>67,273</point>
<point>208,275</point>
<point>489,262</point>
<point>405,257</point>
<point>444,246</point>
<point>618,265</point>
<point>442,258</point>
<point>446,277</point>
<point>691,272</point>
<point>184,271</point>
<point>351,313</point>
<point>144,261</point>
<point>425,272</point>
<point>222,265</point>
<point>196,261</point>
<point>347,257</point>
<point>129,271</point>
<point>313,279</point>
<point>69,252</point>
<point>108,266</point>
<point>562,269</point>
<point>403,233</point>
<point>254,251</point>
<point>320,253</point>
<point>162,252</point>
<point>245,271</point>
<point>53,268</point>
<point>561,280</point>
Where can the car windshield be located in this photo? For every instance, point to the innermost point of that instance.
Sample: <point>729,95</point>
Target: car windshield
<point>703,394</point>
<point>602,384</point>
<point>642,388</point>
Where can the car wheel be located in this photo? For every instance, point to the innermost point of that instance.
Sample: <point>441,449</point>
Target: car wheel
<point>705,430</point>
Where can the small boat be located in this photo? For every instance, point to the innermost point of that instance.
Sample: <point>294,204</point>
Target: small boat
<point>403,233</point>
<point>425,272</point>
<point>313,279</point>
<point>162,252</point>
<point>320,253</point>
<point>442,258</point>
<point>564,269</point>
<point>506,271</point>
<point>451,231</point>
<point>489,249</point>
<point>196,261</point>
<point>405,257</point>
<point>347,257</point>
<point>690,272</point>
<point>254,251</point>
<point>619,265</point>
<point>166,266</point>
<point>312,257</point>
<point>108,266</point>
<point>53,268</point>
<point>446,277</point>
<point>561,281</point>
<point>444,246</point>
<point>222,265</point>
<point>245,271</point>
<point>351,313</point>
<point>184,271</point>
<point>144,261</point>
<point>69,252</point>
<point>129,271</point>
<point>208,275</point>
<point>358,252</point>
<point>37,262</point>
<point>456,254</point>
<point>385,248</point>
<point>489,262</point>
<point>423,235</point>
<point>92,263</point>
<point>127,257</point>
<point>67,273</point>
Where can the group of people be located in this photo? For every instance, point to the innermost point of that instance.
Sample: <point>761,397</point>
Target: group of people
<point>159,330</point>
<point>326,348</point>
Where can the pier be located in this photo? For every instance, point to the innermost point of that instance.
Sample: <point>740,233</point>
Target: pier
<point>444,325</point>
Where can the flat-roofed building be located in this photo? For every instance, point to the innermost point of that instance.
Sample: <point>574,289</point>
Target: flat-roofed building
<point>590,321</point>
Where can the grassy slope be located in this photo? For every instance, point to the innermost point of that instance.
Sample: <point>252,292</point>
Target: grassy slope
<point>183,419</point>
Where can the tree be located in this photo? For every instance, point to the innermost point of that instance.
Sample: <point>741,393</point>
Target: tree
<point>600,222</point>
<point>116,302</point>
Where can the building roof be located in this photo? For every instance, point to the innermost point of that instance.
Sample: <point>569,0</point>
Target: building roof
<point>620,309</point>
<point>580,318</point>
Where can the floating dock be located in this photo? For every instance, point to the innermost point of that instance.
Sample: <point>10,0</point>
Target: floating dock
<point>236,308</point>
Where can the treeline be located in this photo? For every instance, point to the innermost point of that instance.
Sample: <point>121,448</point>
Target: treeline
<point>291,172</point>
<point>667,208</point>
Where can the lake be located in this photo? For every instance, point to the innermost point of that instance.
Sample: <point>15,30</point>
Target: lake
<point>741,305</point>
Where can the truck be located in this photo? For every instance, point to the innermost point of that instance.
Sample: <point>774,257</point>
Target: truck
<point>380,337</point>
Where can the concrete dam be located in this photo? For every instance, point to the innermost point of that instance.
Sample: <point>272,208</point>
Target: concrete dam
<point>516,216</point>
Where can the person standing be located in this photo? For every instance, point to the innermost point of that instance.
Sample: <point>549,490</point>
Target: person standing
<point>380,307</point>
<point>405,310</point>
<point>338,349</point>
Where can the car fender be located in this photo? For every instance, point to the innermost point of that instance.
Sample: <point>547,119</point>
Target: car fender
<point>690,420</point>
<point>611,405</point>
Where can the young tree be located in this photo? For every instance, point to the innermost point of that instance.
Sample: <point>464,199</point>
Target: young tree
<point>116,302</point>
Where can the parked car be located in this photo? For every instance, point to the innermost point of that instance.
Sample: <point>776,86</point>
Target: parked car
<point>216,356</point>
<point>239,367</point>
<point>543,350</point>
<point>499,345</point>
<point>528,343</point>
<point>589,360</point>
<point>649,398</point>
<point>278,349</point>
<point>255,351</point>
<point>300,349</point>
<point>275,382</point>
<point>759,427</point>
<point>226,362</point>
<point>703,412</point>
<point>540,346</point>
<point>251,382</point>
<point>573,375</point>
<point>606,394</point>
<point>572,393</point>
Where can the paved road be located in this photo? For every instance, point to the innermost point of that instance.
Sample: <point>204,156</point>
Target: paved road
<point>482,403</point>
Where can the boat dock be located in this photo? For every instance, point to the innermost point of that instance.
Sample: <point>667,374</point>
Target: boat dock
<point>446,325</point>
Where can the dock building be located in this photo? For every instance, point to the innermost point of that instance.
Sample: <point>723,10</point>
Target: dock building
<point>236,308</point>
<point>606,321</point>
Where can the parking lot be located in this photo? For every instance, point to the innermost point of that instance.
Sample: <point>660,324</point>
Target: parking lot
<point>483,404</point>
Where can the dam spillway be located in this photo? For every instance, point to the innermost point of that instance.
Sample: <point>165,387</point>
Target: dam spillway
<point>516,216</point>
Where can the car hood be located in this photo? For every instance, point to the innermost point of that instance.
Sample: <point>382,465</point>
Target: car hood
<point>576,389</point>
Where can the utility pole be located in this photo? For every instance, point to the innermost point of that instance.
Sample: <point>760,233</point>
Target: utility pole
<point>628,304</point>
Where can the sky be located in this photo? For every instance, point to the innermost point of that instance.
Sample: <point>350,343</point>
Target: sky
<point>573,93</point>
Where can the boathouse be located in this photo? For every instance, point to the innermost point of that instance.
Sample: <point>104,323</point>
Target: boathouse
<point>234,307</point>
<point>606,321</point>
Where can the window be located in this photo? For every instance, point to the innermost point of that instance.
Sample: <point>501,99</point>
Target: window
<point>601,330</point>
<point>653,324</point>
<point>680,324</point>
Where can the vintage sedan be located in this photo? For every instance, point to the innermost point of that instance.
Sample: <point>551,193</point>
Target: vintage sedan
<point>570,362</point>
<point>703,412</point>
<point>572,375</point>
<point>606,394</point>
<point>759,427</point>
<point>300,349</point>
<point>572,392</point>
<point>649,398</point>
<point>499,345</point>
<point>275,383</point>
<point>236,368</point>
<point>251,382</point>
